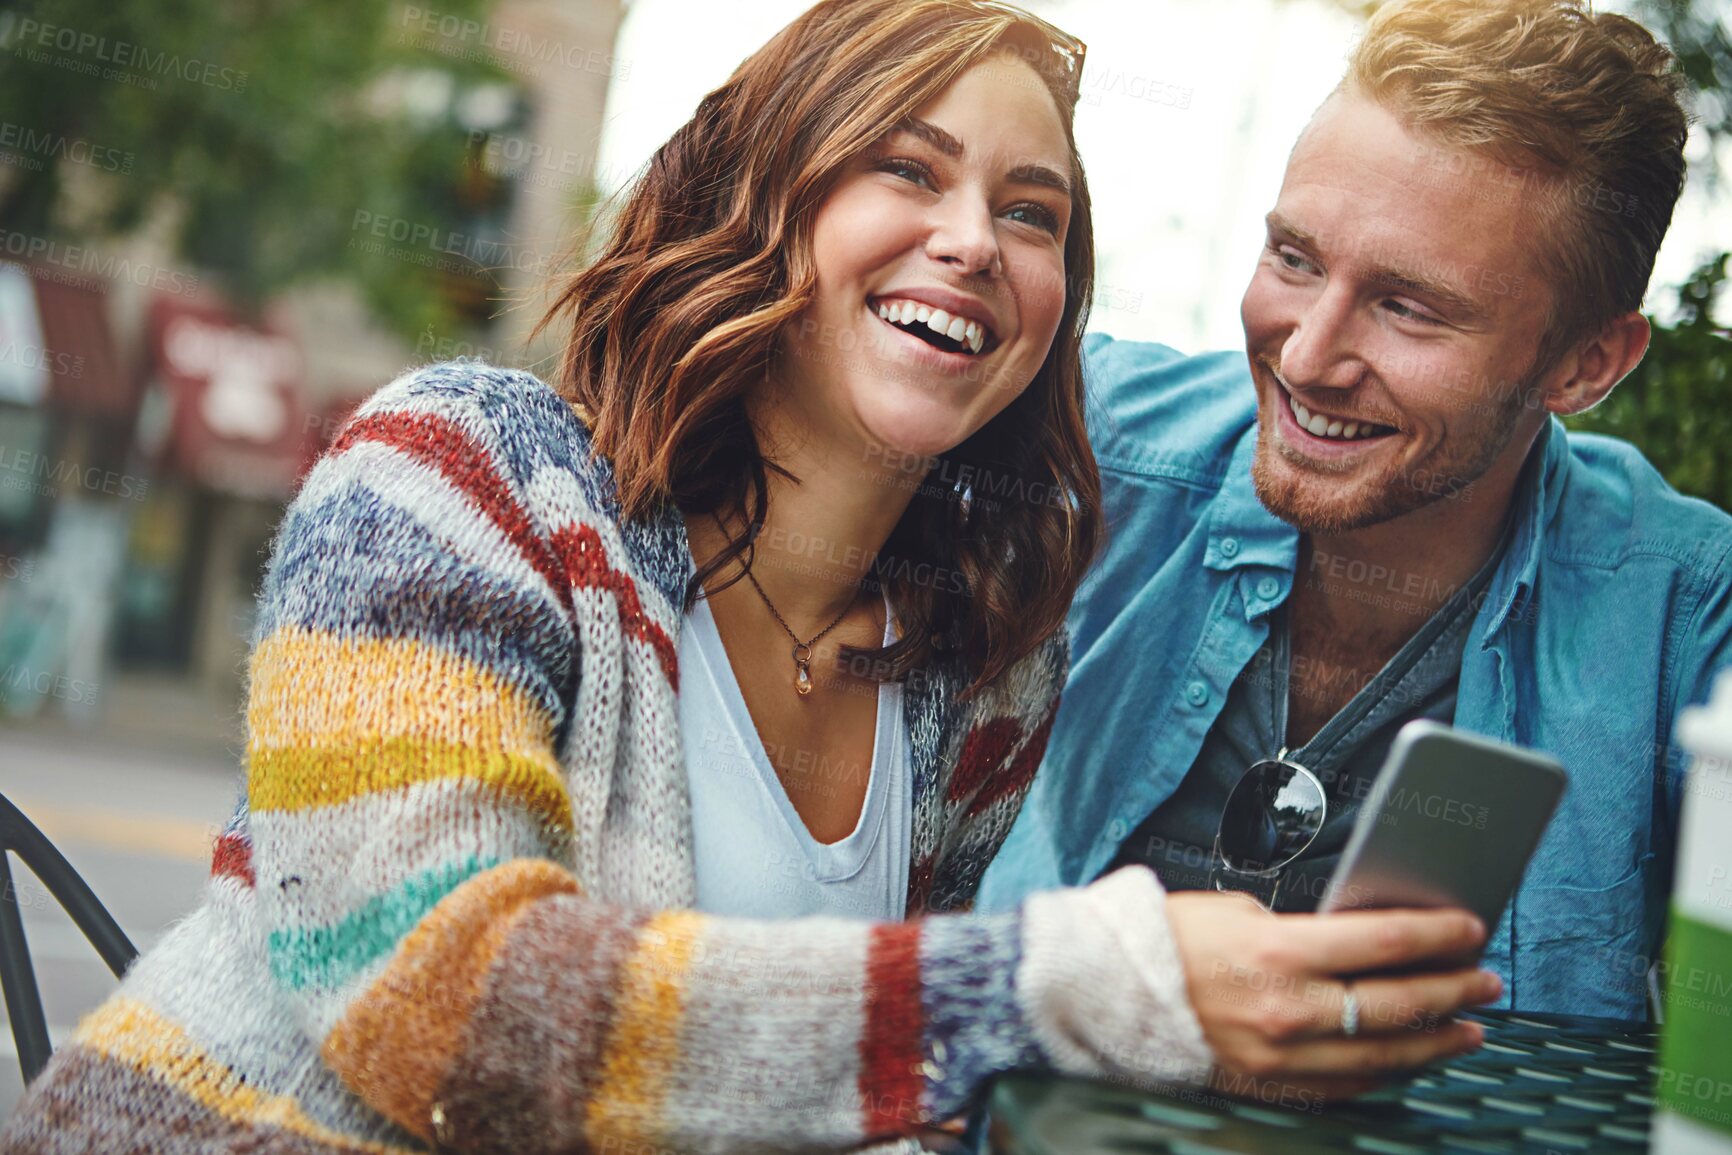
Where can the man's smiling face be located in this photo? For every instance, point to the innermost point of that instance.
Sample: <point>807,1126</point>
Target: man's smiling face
<point>1392,323</point>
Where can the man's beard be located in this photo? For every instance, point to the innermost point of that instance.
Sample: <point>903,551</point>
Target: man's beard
<point>1300,495</point>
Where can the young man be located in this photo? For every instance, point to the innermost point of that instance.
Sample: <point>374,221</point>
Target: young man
<point>1376,516</point>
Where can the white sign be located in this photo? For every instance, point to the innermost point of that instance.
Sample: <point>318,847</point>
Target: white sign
<point>23,359</point>
<point>249,374</point>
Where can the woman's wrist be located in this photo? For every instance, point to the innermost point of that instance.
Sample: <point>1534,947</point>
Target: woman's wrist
<point>1103,987</point>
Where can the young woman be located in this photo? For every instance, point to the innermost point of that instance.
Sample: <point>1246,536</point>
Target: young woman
<point>604,741</point>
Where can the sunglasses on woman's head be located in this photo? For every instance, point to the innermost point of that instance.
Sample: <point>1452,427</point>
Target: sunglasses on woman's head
<point>1068,51</point>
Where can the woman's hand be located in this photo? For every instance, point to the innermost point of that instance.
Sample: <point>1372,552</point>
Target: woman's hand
<point>1269,991</point>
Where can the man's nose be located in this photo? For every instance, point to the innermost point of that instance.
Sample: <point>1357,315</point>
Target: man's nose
<point>1321,351</point>
<point>963,236</point>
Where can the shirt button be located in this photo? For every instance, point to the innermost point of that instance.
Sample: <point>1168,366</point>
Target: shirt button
<point>1116,830</point>
<point>1268,588</point>
<point>1196,693</point>
<point>1229,547</point>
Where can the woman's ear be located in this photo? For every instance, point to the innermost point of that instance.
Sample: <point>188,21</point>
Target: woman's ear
<point>1587,373</point>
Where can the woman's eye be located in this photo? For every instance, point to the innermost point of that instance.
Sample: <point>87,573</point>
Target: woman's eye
<point>909,170</point>
<point>1039,216</point>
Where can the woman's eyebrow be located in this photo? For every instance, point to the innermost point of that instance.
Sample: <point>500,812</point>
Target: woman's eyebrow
<point>932,135</point>
<point>1040,174</point>
<point>1029,172</point>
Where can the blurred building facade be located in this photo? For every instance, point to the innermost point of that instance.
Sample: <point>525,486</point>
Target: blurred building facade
<point>151,436</point>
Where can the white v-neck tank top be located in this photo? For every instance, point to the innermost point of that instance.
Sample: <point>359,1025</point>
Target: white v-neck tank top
<point>754,856</point>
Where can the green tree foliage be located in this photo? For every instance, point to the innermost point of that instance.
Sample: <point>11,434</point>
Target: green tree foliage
<point>1676,406</point>
<point>1699,32</point>
<point>270,125</point>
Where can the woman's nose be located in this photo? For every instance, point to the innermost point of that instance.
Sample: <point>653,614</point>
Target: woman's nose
<point>963,237</point>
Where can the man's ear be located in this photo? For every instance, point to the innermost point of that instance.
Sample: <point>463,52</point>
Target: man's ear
<point>1588,372</point>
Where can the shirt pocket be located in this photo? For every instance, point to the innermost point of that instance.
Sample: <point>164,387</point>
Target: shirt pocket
<point>1583,950</point>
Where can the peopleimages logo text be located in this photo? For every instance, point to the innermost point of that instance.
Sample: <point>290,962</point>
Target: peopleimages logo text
<point>21,463</point>
<point>58,146</point>
<point>21,33</point>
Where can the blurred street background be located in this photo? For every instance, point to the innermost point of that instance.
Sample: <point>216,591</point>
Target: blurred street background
<point>221,227</point>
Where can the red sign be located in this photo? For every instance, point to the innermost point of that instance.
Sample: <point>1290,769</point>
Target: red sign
<point>238,420</point>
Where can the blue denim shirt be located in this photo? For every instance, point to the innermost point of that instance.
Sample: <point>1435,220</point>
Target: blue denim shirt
<point>1609,613</point>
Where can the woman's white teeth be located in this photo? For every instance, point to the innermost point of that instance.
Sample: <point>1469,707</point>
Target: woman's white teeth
<point>1320,426</point>
<point>970,334</point>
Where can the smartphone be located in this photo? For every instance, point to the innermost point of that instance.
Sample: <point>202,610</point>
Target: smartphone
<point>1451,820</point>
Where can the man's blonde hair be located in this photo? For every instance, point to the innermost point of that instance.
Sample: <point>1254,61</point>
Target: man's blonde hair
<point>1588,103</point>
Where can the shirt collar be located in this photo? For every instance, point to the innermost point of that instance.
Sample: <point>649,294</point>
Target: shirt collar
<point>1241,531</point>
<point>1537,492</point>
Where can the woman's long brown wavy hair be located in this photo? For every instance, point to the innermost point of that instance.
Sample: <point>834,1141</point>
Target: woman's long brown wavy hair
<point>710,259</point>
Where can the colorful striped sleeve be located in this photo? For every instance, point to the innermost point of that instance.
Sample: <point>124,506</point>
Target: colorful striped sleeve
<point>418,863</point>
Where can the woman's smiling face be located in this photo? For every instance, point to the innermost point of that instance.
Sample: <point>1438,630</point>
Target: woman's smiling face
<point>955,220</point>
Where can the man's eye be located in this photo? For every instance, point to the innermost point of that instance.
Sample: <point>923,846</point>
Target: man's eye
<point>1291,259</point>
<point>1409,313</point>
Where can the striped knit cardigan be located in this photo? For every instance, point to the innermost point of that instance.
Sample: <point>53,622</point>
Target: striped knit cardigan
<point>452,910</point>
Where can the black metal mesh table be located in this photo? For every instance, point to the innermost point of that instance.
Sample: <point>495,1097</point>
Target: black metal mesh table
<point>1540,1083</point>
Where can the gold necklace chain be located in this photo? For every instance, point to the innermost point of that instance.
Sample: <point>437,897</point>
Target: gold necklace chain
<point>802,650</point>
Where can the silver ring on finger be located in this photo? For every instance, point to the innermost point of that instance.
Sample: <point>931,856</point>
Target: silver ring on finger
<point>1349,1012</point>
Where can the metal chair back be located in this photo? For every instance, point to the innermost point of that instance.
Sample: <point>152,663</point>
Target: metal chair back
<point>19,836</point>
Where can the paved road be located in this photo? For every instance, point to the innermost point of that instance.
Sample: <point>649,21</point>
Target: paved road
<point>137,825</point>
